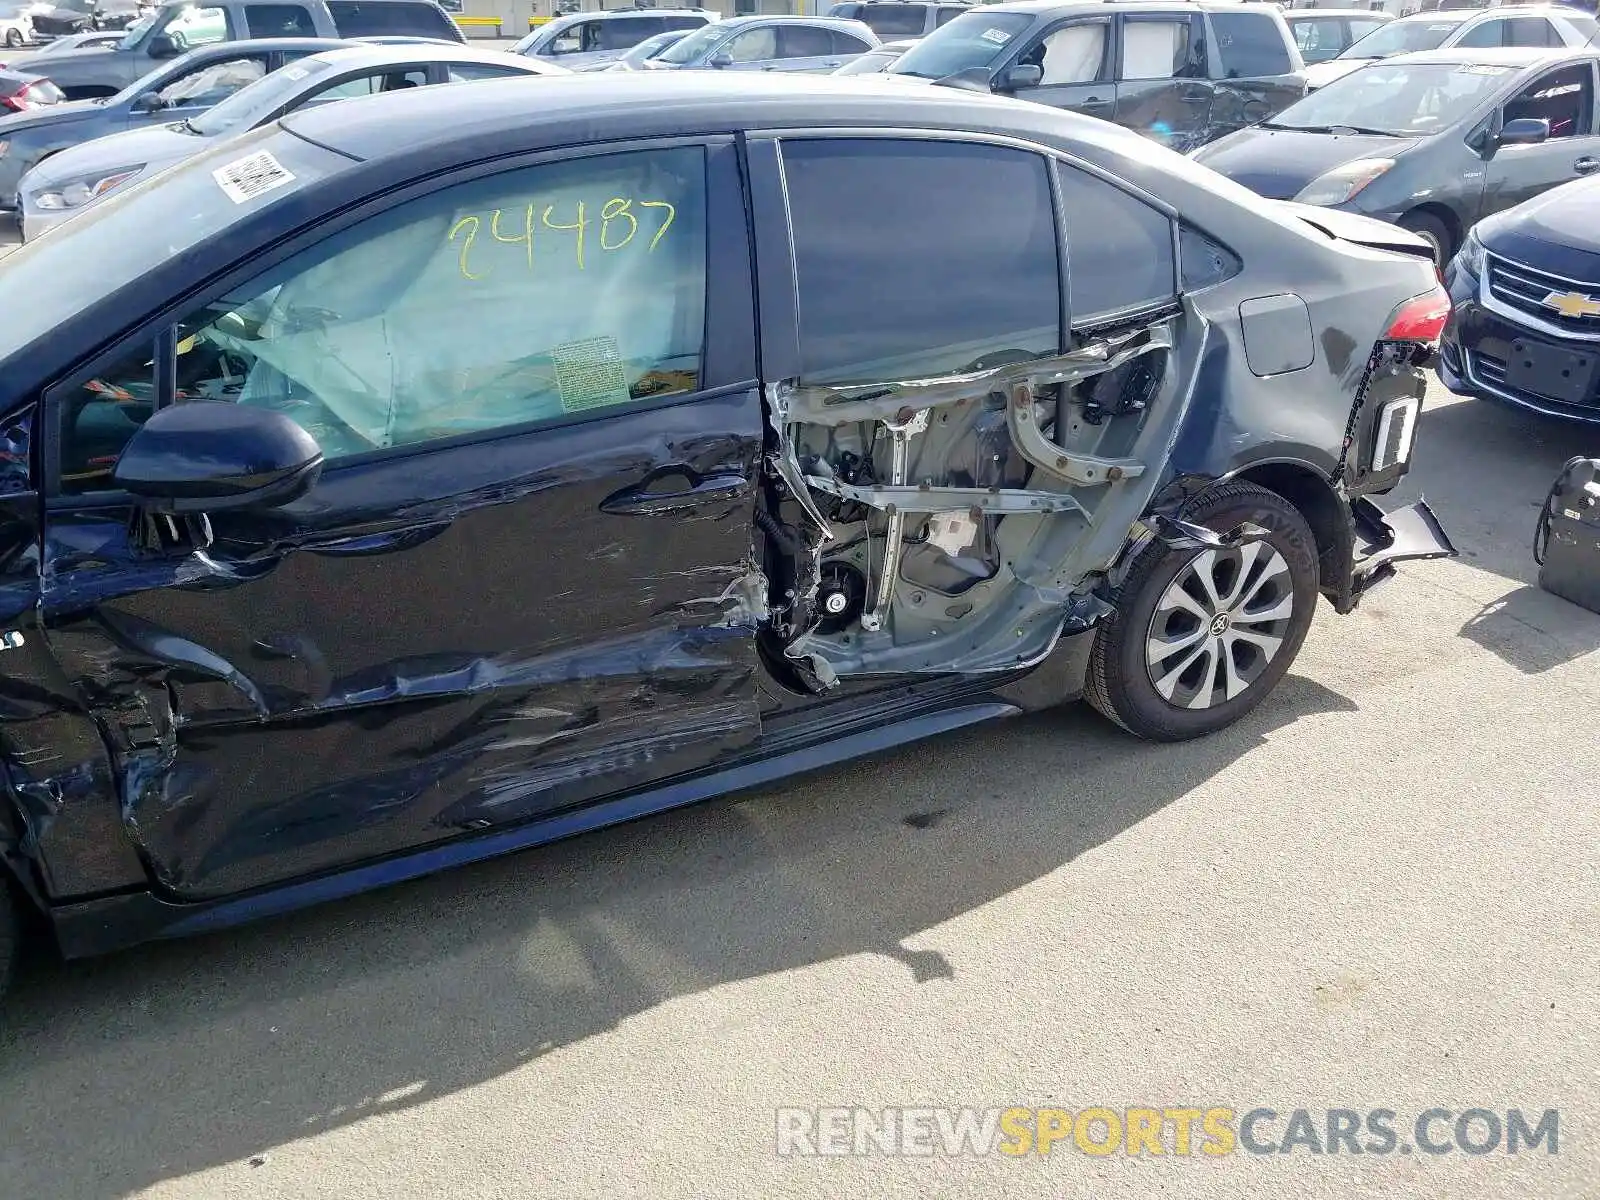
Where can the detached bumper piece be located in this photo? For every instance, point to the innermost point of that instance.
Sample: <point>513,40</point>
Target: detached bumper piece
<point>1384,539</point>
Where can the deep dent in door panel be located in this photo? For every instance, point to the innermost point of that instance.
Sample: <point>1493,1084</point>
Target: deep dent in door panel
<point>348,736</point>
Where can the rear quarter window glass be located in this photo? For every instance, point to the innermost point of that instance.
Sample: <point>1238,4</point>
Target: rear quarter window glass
<point>354,19</point>
<point>968,282</point>
<point>1251,46</point>
<point>894,20</point>
<point>1119,249</point>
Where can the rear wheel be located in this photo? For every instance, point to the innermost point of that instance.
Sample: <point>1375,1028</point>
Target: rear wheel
<point>1198,637</point>
<point>1433,231</point>
<point>13,38</point>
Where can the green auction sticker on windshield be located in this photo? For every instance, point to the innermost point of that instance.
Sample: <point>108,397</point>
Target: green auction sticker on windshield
<point>589,374</point>
<point>248,177</point>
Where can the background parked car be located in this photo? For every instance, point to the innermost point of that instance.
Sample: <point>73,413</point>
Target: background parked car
<point>16,24</point>
<point>878,59</point>
<point>65,17</point>
<point>94,39</point>
<point>597,38</point>
<point>182,88</point>
<point>768,44</point>
<point>1182,74</point>
<point>892,19</point>
<point>1431,141</point>
<point>21,92</point>
<point>1525,292</point>
<point>1467,29</point>
<point>74,179</point>
<point>1325,33</point>
<point>641,53</point>
<point>186,24</point>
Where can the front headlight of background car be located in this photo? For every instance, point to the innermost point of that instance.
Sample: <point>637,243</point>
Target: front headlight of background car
<point>1470,257</point>
<point>77,192</point>
<point>1343,183</point>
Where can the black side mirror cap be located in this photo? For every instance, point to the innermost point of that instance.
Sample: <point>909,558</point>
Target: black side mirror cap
<point>162,46</point>
<point>1524,131</point>
<point>207,456</point>
<point>1015,78</point>
<point>149,102</point>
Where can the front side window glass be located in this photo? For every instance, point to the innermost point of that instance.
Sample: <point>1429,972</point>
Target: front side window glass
<point>279,20</point>
<point>211,84</point>
<point>1075,54</point>
<point>906,289</point>
<point>1565,98</point>
<point>540,294</point>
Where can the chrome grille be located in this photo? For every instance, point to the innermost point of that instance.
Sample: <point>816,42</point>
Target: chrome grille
<point>1524,289</point>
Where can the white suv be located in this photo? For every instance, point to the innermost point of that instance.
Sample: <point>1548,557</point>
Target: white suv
<point>1542,25</point>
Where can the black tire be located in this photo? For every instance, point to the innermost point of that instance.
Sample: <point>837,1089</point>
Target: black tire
<point>13,38</point>
<point>1432,229</point>
<point>1121,683</point>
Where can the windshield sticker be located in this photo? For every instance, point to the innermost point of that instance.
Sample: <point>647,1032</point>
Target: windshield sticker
<point>251,176</point>
<point>998,36</point>
<point>1482,69</point>
<point>590,374</point>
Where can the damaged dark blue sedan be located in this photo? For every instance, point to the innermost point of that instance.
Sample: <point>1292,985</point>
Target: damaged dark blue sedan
<point>426,477</point>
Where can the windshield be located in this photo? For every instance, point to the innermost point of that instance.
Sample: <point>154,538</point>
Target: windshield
<point>974,39</point>
<point>255,101</point>
<point>652,46</point>
<point>129,234</point>
<point>691,47</point>
<point>1403,99</point>
<point>1402,37</point>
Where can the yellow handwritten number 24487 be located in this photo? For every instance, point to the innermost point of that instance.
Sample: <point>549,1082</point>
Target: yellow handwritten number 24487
<point>617,227</point>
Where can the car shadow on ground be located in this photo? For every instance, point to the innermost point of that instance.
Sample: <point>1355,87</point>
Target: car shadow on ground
<point>250,1039</point>
<point>1491,515</point>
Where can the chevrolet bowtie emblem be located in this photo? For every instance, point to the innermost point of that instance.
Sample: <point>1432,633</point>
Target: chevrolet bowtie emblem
<point>1573,304</point>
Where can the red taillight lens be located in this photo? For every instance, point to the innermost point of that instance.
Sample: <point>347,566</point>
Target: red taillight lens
<point>1421,318</point>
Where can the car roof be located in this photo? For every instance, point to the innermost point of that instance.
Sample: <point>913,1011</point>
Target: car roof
<point>849,23</point>
<point>371,55</point>
<point>1496,56</point>
<point>604,105</point>
<point>1049,7</point>
<point>1311,14</point>
<point>1463,15</point>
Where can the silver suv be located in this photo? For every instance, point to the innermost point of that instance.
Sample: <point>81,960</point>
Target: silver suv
<point>593,39</point>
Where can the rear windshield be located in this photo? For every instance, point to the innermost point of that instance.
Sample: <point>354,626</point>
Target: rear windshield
<point>111,244</point>
<point>974,39</point>
<point>1402,37</point>
<point>1404,99</point>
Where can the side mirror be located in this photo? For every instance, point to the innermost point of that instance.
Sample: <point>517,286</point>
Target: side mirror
<point>162,46</point>
<point>1524,131</point>
<point>719,60</point>
<point>1015,78</point>
<point>148,103</point>
<point>212,456</point>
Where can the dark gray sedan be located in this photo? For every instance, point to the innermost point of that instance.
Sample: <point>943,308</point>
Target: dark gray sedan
<point>1431,142</point>
<point>418,495</point>
<point>181,88</point>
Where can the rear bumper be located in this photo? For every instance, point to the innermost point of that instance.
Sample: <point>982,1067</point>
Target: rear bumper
<point>1384,539</point>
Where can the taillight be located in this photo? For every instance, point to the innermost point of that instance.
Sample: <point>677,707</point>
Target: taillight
<point>1421,318</point>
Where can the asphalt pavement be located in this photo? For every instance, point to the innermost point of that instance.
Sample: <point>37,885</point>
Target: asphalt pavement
<point>1377,892</point>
